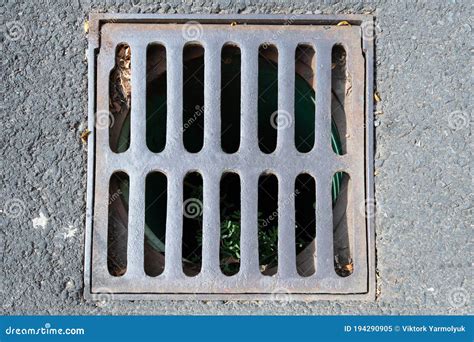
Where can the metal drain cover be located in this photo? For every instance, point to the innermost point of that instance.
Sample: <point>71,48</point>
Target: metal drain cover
<point>248,32</point>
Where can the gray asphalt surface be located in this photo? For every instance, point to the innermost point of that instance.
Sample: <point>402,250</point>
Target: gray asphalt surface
<point>423,158</point>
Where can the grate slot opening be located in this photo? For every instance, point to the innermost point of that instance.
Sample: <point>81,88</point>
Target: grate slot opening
<point>192,223</point>
<point>193,97</point>
<point>156,100</point>
<point>156,193</point>
<point>120,101</point>
<point>305,59</point>
<point>305,224</point>
<point>267,97</point>
<point>342,228</point>
<point>117,232</point>
<point>268,223</point>
<point>230,222</point>
<point>230,97</point>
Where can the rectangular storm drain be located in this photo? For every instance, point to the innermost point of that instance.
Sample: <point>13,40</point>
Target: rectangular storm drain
<point>230,157</point>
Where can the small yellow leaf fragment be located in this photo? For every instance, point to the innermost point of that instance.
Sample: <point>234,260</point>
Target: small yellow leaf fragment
<point>348,268</point>
<point>233,23</point>
<point>84,135</point>
<point>86,26</point>
<point>377,97</point>
<point>343,23</point>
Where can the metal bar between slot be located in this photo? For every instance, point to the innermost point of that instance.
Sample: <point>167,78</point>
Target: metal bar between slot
<point>324,226</point>
<point>174,119</point>
<point>285,145</point>
<point>286,227</point>
<point>249,99</point>
<point>212,95</point>
<point>322,129</point>
<point>211,224</point>
<point>138,100</point>
<point>136,226</point>
<point>286,98</point>
<point>249,224</point>
<point>174,227</point>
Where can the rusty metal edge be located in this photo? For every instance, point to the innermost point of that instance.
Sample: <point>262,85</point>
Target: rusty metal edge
<point>93,45</point>
<point>302,19</point>
<point>95,22</point>
<point>229,297</point>
<point>368,48</point>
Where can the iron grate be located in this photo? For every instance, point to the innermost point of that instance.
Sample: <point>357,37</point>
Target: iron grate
<point>107,31</point>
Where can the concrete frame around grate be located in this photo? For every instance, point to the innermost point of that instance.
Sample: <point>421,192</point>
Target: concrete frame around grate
<point>106,31</point>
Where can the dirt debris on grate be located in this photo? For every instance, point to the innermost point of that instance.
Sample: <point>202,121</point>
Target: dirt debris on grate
<point>344,269</point>
<point>121,83</point>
